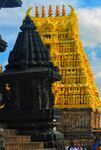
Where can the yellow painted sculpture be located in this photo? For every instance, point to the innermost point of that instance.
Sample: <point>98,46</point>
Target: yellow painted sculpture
<point>61,36</point>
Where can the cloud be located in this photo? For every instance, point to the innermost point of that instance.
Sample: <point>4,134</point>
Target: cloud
<point>90,26</point>
<point>90,34</point>
<point>98,75</point>
<point>96,69</point>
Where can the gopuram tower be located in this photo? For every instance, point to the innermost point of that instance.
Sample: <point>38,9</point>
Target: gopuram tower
<point>76,94</point>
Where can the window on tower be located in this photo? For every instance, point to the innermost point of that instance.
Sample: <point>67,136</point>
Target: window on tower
<point>48,36</point>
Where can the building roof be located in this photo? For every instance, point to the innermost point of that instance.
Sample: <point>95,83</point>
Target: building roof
<point>3,45</point>
<point>10,3</point>
<point>29,50</point>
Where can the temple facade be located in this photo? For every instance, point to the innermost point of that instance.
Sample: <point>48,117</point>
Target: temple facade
<point>76,94</point>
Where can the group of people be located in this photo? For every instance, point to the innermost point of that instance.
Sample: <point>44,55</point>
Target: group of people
<point>99,147</point>
<point>75,147</point>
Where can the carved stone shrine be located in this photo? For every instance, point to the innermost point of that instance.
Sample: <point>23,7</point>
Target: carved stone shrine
<point>26,83</point>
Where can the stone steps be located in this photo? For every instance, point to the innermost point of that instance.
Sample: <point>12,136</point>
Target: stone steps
<point>13,141</point>
<point>18,138</point>
<point>9,132</point>
<point>23,146</point>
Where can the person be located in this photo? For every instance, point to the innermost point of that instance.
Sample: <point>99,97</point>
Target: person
<point>72,146</point>
<point>79,147</point>
<point>67,147</point>
<point>99,147</point>
<point>84,148</point>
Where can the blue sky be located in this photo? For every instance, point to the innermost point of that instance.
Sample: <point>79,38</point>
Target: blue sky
<point>89,16</point>
<point>89,3</point>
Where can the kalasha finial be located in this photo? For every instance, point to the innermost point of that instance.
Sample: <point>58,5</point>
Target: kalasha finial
<point>43,12</point>
<point>57,11</point>
<point>36,11</point>
<point>63,10</point>
<point>28,12</point>
<point>50,11</point>
<point>72,10</point>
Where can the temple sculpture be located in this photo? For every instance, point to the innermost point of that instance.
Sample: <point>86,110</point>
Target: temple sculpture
<point>26,89</point>
<point>76,94</point>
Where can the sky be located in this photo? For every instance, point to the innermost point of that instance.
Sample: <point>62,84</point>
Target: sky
<point>89,21</point>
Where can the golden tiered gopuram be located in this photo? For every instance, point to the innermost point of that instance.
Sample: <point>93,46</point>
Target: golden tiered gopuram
<point>76,94</point>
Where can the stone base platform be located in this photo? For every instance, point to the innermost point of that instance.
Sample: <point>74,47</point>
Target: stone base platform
<point>13,141</point>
